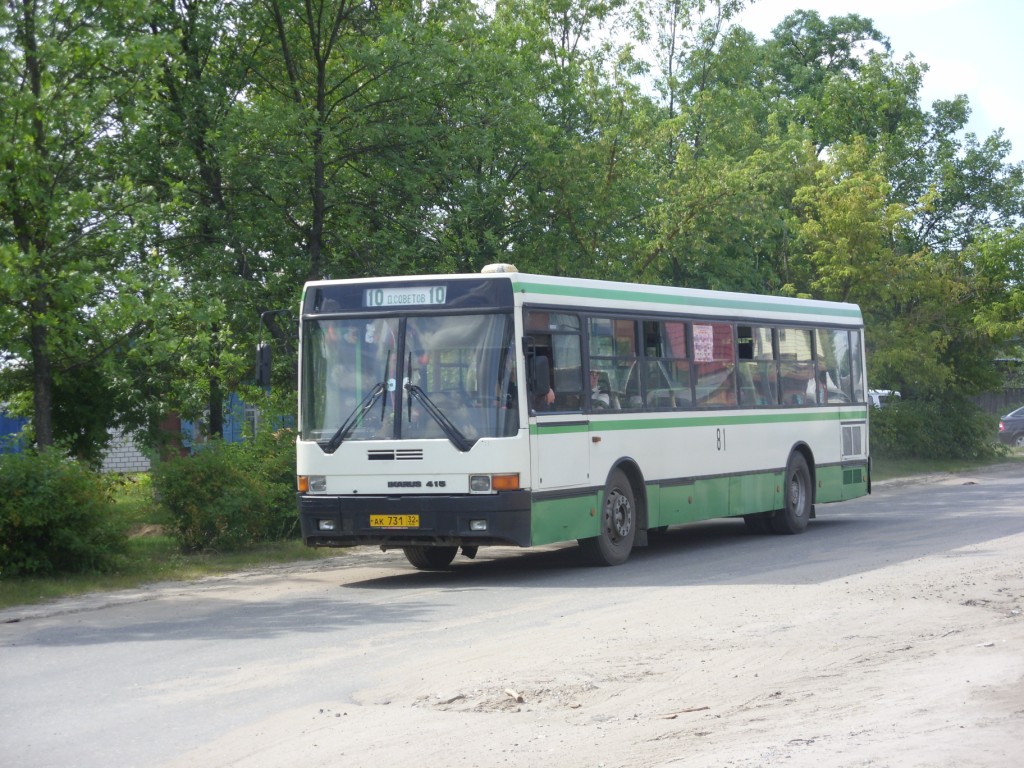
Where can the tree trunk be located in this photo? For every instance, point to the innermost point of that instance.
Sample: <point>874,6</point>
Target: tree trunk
<point>216,423</point>
<point>42,386</point>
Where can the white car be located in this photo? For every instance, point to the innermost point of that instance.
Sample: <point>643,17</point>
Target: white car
<point>881,397</point>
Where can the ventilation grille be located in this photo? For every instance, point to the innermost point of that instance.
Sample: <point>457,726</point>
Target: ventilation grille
<point>401,454</point>
<point>853,440</point>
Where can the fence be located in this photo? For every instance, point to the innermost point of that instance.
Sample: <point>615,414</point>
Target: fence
<point>1001,402</point>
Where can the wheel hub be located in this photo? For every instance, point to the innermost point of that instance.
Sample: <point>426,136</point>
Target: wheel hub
<point>796,494</point>
<point>619,515</point>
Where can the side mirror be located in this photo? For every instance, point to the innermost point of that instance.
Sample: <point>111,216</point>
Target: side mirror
<point>539,375</point>
<point>263,357</point>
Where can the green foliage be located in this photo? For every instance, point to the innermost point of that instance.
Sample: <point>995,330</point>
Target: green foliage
<point>270,458</point>
<point>999,260</point>
<point>231,151</point>
<point>56,516</point>
<point>227,497</point>
<point>75,227</point>
<point>952,428</point>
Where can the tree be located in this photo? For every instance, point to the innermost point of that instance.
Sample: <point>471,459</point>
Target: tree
<point>721,219</point>
<point>332,83</point>
<point>587,173</point>
<point>73,267</point>
<point>846,230</point>
<point>186,149</point>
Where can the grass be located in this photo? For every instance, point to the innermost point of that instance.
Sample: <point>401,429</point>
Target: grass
<point>153,554</point>
<point>889,469</point>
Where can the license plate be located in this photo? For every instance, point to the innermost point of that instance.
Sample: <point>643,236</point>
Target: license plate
<point>394,521</point>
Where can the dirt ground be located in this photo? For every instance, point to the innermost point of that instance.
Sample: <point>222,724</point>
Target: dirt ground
<point>920,663</point>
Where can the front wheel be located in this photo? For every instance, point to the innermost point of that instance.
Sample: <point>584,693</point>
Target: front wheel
<point>797,498</point>
<point>618,524</point>
<point>430,558</point>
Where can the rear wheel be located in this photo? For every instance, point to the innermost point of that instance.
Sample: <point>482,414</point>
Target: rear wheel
<point>618,524</point>
<point>798,493</point>
<point>430,558</point>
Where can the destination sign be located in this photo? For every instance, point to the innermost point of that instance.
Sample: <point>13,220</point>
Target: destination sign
<point>405,297</point>
<point>430,294</point>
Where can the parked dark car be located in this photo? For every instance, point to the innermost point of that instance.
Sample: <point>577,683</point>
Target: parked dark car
<point>1011,428</point>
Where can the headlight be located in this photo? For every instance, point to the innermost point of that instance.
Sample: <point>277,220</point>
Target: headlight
<point>488,483</point>
<point>312,483</point>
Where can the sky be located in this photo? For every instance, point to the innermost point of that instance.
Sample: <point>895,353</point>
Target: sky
<point>973,47</point>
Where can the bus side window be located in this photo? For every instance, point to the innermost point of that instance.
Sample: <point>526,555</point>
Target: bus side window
<point>835,365</point>
<point>613,351</point>
<point>758,372</point>
<point>715,364</point>
<point>796,365</point>
<point>667,369</point>
<point>858,389</point>
<point>557,336</point>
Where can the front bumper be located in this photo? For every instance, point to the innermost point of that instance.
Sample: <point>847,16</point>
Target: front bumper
<point>444,520</point>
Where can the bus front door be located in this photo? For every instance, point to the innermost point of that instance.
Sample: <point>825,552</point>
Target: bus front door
<point>562,453</point>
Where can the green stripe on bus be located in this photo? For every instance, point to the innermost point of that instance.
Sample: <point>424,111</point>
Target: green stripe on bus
<point>559,429</point>
<point>704,420</point>
<point>621,294</point>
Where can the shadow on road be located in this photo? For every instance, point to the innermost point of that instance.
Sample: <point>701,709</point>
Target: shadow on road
<point>892,526</point>
<point>342,595</point>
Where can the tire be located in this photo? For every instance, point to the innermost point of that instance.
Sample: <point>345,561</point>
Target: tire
<point>618,524</point>
<point>797,495</point>
<point>430,558</point>
<point>1018,441</point>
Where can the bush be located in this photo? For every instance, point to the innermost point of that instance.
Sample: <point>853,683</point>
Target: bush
<point>932,429</point>
<point>229,497</point>
<point>270,457</point>
<point>56,516</point>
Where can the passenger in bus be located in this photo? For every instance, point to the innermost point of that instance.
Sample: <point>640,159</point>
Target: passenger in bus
<point>600,396</point>
<point>544,402</point>
<point>822,386</point>
<point>819,394</point>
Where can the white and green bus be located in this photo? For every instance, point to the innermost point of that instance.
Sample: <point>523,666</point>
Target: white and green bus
<point>448,412</point>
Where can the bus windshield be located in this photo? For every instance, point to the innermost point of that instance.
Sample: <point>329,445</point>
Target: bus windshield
<point>420,376</point>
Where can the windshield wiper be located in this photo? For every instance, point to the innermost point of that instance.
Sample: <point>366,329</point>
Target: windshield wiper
<point>355,418</point>
<point>359,412</point>
<point>452,432</point>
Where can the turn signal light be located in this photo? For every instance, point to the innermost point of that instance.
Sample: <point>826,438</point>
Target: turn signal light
<point>508,482</point>
<point>311,483</point>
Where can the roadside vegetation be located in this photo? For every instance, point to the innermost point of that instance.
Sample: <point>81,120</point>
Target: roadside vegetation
<point>226,509</point>
<point>227,156</point>
<point>893,469</point>
<point>66,529</point>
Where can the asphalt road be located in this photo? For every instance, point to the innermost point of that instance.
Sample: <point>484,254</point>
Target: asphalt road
<point>145,676</point>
